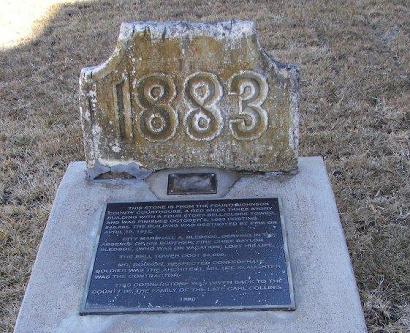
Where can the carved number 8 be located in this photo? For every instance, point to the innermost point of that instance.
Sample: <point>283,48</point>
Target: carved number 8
<point>158,120</point>
<point>203,121</point>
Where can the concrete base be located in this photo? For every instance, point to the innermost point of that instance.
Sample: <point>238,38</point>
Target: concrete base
<point>325,290</point>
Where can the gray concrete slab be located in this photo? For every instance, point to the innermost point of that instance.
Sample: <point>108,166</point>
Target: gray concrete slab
<point>325,289</point>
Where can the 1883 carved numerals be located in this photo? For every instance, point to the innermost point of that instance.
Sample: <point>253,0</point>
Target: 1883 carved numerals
<point>203,92</point>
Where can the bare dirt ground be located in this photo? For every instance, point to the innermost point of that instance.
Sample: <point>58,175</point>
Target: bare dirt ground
<point>355,60</point>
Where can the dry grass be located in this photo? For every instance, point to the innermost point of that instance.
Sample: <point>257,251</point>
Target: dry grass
<point>355,61</point>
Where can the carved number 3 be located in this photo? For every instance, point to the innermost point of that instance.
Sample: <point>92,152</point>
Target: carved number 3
<point>203,121</point>
<point>158,120</point>
<point>252,90</point>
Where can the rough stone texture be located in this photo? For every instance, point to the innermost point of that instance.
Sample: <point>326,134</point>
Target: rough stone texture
<point>325,289</point>
<point>181,94</point>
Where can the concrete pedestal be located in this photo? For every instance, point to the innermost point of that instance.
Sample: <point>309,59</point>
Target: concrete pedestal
<point>326,296</point>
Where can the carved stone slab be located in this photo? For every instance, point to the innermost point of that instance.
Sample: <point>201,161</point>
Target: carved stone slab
<point>183,94</point>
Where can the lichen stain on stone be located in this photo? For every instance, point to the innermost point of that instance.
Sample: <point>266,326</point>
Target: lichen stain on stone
<point>178,50</point>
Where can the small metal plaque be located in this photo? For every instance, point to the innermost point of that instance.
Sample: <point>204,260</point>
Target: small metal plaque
<point>192,183</point>
<point>190,255</point>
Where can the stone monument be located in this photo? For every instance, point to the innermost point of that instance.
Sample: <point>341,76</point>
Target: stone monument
<point>192,211</point>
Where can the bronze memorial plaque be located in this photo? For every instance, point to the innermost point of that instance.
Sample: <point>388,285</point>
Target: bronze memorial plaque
<point>190,255</point>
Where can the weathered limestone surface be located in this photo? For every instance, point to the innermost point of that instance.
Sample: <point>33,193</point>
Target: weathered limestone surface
<point>183,94</point>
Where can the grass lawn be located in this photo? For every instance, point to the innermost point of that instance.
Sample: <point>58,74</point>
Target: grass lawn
<point>355,112</point>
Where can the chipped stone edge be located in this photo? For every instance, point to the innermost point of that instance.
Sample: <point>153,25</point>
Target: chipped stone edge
<point>292,73</point>
<point>132,168</point>
<point>159,30</point>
